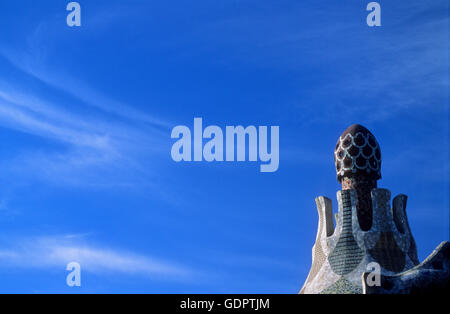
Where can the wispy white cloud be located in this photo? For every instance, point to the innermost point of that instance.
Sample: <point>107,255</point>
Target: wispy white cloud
<point>86,147</point>
<point>96,151</point>
<point>34,66</point>
<point>102,138</point>
<point>15,118</point>
<point>56,252</point>
<point>34,57</point>
<point>403,64</point>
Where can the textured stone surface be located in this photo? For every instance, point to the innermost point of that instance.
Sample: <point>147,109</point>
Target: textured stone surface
<point>432,276</point>
<point>342,286</point>
<point>387,253</point>
<point>368,229</point>
<point>363,188</point>
<point>345,253</point>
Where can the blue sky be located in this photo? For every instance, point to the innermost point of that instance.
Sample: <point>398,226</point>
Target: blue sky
<point>86,115</point>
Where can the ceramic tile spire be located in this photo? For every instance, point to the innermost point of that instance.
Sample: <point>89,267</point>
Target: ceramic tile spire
<point>370,234</point>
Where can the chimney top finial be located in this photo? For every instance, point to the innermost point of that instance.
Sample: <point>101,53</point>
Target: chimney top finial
<point>357,154</point>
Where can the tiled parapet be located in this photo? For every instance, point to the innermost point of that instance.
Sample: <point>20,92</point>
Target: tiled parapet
<point>431,276</point>
<point>371,234</point>
<point>401,221</point>
<point>341,256</point>
<point>389,242</point>
<point>325,229</point>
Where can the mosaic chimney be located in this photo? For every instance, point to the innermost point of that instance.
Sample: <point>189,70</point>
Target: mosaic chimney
<point>371,233</point>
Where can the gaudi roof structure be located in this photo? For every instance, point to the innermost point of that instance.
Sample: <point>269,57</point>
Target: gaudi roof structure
<point>372,237</point>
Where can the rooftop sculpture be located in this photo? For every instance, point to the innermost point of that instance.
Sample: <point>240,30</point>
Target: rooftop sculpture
<point>369,231</point>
